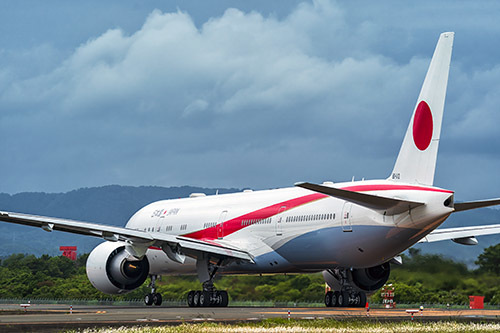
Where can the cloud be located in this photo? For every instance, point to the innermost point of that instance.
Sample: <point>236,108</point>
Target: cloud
<point>240,100</point>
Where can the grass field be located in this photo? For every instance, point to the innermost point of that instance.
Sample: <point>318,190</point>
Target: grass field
<point>327,325</point>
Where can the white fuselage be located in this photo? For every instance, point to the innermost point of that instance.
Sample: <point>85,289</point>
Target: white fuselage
<point>294,229</point>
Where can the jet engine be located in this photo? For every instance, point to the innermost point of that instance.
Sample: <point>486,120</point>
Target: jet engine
<point>367,280</point>
<point>111,270</point>
<point>370,279</point>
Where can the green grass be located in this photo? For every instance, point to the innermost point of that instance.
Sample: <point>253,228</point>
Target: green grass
<point>326,325</point>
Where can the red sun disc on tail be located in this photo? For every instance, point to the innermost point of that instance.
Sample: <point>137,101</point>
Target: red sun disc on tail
<point>422,126</point>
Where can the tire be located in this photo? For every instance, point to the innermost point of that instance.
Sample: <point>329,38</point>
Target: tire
<point>224,298</point>
<point>362,299</point>
<point>335,299</point>
<point>217,301</point>
<point>344,299</point>
<point>196,298</point>
<point>204,299</point>
<point>157,299</point>
<point>190,297</point>
<point>148,299</point>
<point>328,299</point>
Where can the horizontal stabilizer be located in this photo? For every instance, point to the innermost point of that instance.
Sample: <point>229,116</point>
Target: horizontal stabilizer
<point>461,233</point>
<point>390,205</point>
<point>461,206</point>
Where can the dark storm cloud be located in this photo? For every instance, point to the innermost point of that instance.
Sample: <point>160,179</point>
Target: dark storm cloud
<point>241,99</point>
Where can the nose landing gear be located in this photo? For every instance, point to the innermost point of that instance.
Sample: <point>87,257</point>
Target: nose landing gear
<point>153,297</point>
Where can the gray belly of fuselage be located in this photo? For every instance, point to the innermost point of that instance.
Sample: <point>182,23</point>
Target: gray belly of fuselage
<point>364,246</point>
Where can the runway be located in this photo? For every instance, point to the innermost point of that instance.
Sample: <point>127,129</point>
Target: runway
<point>52,318</point>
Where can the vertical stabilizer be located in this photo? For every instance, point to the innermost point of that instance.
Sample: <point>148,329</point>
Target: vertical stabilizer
<point>416,161</point>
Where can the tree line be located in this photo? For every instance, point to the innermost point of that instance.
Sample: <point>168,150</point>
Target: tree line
<point>423,278</point>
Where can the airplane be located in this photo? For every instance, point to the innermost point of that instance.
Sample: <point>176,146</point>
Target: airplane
<point>351,231</point>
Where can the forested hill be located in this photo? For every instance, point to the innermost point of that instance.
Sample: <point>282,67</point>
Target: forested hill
<point>108,204</point>
<point>115,204</point>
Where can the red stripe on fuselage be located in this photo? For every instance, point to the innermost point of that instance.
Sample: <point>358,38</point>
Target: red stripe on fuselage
<point>236,224</point>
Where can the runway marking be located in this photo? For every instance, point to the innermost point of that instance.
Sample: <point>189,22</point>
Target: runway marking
<point>166,315</point>
<point>203,319</point>
<point>385,312</point>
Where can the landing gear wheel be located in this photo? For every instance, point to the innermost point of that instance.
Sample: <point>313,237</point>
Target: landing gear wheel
<point>148,299</point>
<point>157,299</point>
<point>196,298</point>
<point>224,298</point>
<point>190,298</point>
<point>335,298</point>
<point>344,299</point>
<point>328,299</point>
<point>216,299</point>
<point>362,299</point>
<point>204,299</point>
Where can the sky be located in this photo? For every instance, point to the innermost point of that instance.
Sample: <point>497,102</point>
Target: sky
<point>245,94</point>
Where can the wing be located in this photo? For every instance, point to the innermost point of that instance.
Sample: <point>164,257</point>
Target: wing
<point>462,235</point>
<point>171,244</point>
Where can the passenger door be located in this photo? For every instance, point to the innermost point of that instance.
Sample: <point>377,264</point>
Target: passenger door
<point>220,224</point>
<point>279,221</point>
<point>346,217</point>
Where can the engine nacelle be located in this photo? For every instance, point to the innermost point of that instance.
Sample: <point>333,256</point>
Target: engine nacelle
<point>370,279</point>
<point>111,271</point>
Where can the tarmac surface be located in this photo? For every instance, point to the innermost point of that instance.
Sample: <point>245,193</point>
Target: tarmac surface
<point>56,318</point>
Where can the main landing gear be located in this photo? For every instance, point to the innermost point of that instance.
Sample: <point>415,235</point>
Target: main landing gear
<point>345,298</point>
<point>345,295</point>
<point>153,297</point>
<point>209,296</point>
